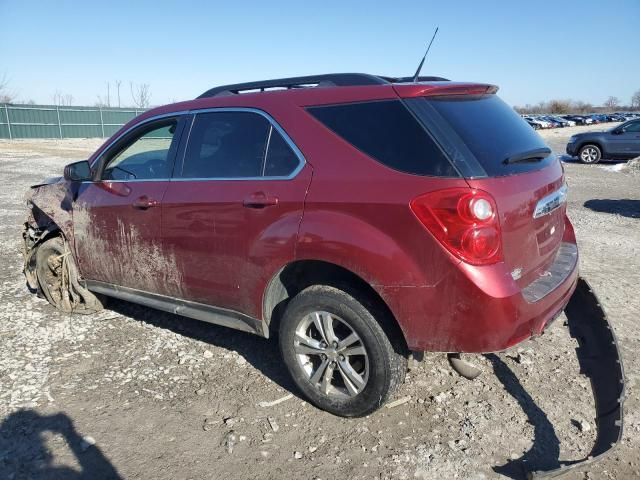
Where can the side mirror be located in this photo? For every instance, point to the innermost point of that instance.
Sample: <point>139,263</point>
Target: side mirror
<point>78,171</point>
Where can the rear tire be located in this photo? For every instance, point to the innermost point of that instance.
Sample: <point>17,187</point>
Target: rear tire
<point>338,353</point>
<point>58,279</point>
<point>590,154</point>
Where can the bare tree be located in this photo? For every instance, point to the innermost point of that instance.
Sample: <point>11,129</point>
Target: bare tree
<point>57,97</point>
<point>6,95</point>
<point>559,106</point>
<point>118,83</point>
<point>141,95</point>
<point>62,99</point>
<point>635,99</point>
<point>611,103</point>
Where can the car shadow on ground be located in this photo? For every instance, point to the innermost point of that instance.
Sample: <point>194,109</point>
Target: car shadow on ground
<point>625,206</point>
<point>24,453</point>
<point>545,451</point>
<point>263,354</point>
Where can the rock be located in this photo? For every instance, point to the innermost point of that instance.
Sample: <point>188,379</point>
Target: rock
<point>312,449</point>
<point>400,401</point>
<point>441,397</point>
<point>86,443</point>
<point>208,424</point>
<point>230,421</point>
<point>229,441</point>
<point>208,354</point>
<point>581,424</point>
<point>201,391</point>
<point>272,423</point>
<point>275,402</point>
<point>297,455</point>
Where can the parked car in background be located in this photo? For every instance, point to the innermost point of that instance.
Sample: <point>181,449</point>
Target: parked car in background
<point>559,122</point>
<point>539,121</point>
<point>578,119</point>
<point>533,124</point>
<point>621,142</point>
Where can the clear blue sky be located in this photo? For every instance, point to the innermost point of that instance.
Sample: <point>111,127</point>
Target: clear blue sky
<point>534,50</point>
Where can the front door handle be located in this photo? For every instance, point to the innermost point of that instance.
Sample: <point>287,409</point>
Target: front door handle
<point>144,202</point>
<point>259,200</point>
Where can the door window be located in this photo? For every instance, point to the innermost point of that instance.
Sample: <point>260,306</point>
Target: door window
<point>236,145</point>
<point>632,127</point>
<point>146,156</point>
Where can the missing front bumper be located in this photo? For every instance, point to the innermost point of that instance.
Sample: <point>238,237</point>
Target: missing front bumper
<point>599,360</point>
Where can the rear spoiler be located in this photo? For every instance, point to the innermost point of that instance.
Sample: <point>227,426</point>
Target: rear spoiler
<point>408,90</point>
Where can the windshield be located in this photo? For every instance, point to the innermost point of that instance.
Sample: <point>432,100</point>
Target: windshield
<point>491,131</point>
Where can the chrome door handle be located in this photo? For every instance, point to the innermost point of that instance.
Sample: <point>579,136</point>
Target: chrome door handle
<point>144,202</point>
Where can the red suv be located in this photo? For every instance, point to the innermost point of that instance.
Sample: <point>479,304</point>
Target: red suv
<point>355,217</point>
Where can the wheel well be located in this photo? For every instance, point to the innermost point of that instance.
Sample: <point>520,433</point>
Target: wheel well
<point>296,276</point>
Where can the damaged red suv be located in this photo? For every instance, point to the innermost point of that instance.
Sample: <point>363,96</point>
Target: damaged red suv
<point>354,217</point>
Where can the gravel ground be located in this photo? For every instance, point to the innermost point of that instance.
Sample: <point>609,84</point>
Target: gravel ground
<point>138,393</point>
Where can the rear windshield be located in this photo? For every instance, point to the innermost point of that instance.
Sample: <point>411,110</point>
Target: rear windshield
<point>489,129</point>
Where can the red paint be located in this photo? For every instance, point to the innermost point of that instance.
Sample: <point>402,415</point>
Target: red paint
<point>346,209</point>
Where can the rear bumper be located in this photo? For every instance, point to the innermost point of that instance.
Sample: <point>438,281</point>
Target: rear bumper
<point>599,360</point>
<point>481,309</point>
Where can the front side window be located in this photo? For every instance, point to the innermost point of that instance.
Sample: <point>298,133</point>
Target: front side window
<point>236,145</point>
<point>146,156</point>
<point>633,127</point>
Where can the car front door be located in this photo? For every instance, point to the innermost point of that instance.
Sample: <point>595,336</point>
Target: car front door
<point>631,142</point>
<point>117,216</point>
<point>231,213</point>
<point>624,141</point>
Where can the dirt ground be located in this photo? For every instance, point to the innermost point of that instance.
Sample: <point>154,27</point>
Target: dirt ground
<point>137,393</point>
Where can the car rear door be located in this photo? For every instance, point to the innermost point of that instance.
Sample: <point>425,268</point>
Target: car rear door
<point>231,213</point>
<point>117,217</point>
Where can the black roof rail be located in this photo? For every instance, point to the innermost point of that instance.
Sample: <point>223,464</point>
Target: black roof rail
<point>410,79</point>
<point>325,80</point>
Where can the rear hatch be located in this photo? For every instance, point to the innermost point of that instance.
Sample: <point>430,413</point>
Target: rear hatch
<point>499,153</point>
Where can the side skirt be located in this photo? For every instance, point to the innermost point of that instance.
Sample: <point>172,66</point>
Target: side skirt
<point>186,308</point>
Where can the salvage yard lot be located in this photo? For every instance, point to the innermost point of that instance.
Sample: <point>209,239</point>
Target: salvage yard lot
<point>166,397</point>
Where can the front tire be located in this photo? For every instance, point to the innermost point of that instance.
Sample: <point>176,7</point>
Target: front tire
<point>58,279</point>
<point>338,353</point>
<point>590,154</point>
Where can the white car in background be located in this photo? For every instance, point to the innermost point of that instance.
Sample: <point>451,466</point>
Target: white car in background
<point>542,123</point>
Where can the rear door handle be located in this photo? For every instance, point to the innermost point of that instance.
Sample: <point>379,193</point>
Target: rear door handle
<point>144,202</point>
<point>259,200</point>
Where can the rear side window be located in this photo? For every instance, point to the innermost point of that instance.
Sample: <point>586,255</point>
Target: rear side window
<point>236,145</point>
<point>387,132</point>
<point>489,128</point>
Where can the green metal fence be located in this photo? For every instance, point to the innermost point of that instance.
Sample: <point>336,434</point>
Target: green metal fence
<point>51,121</point>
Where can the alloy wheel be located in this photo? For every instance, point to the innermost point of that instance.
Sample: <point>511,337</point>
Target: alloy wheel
<point>331,354</point>
<point>589,155</point>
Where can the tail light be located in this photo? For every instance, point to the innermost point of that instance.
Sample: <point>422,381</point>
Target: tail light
<point>465,221</point>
